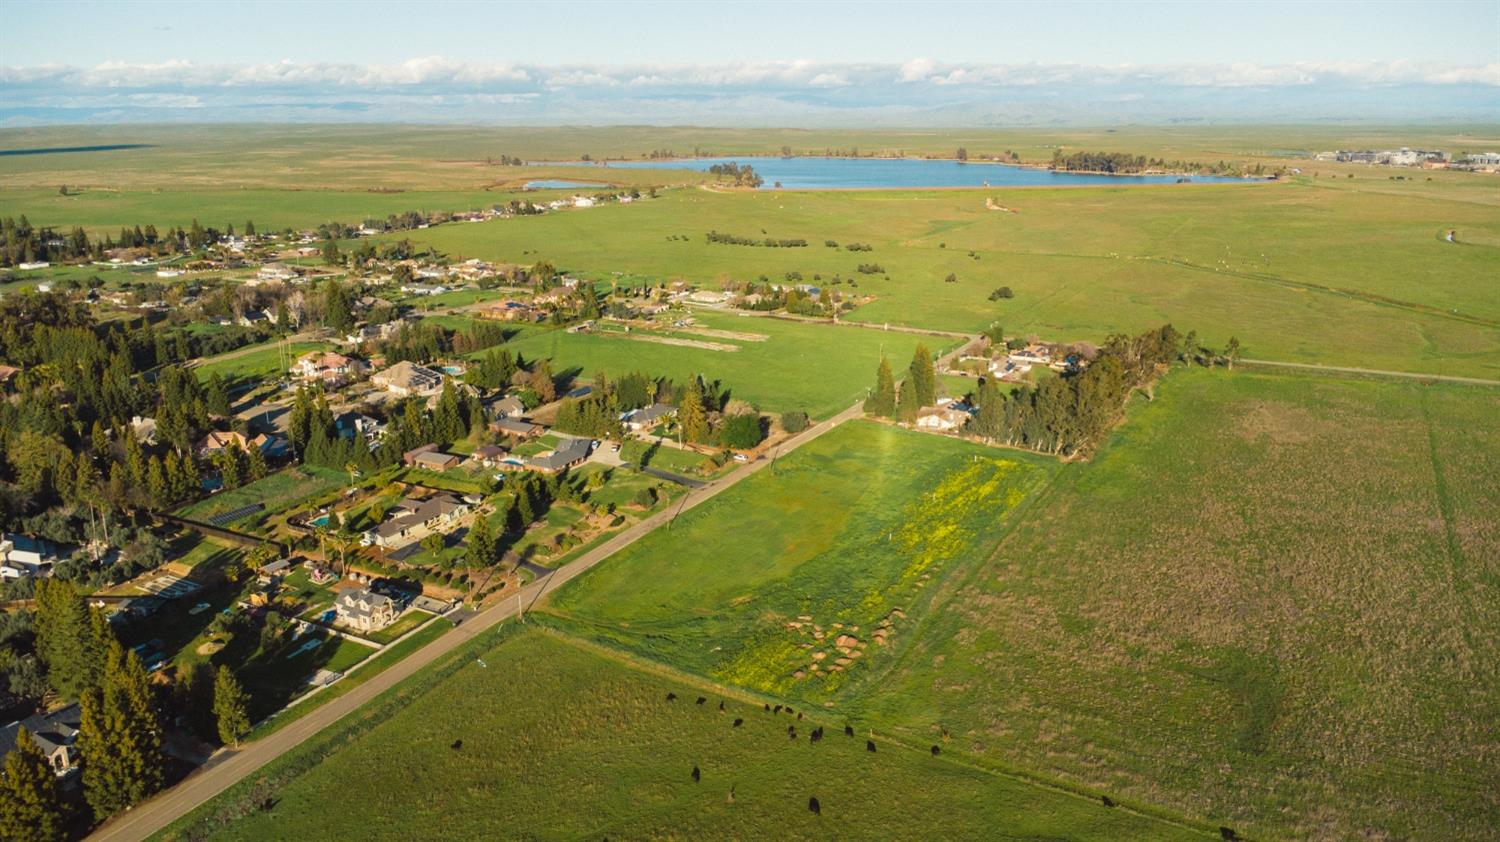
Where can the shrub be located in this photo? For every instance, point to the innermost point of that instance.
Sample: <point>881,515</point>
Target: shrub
<point>794,422</point>
<point>1002,292</point>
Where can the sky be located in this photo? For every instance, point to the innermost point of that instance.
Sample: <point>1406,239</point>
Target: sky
<point>804,63</point>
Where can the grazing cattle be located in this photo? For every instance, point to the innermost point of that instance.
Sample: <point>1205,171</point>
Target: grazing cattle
<point>777,710</point>
<point>848,730</point>
<point>936,751</point>
<point>1106,801</point>
<point>870,746</point>
<point>768,707</point>
<point>814,806</point>
<point>457,744</point>
<point>696,774</point>
<point>721,707</point>
<point>1228,834</point>
<point>791,729</point>
<point>817,734</point>
<point>701,700</point>
<point>671,697</point>
<point>739,722</point>
<point>799,716</point>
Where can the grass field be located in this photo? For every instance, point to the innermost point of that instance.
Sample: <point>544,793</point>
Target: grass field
<point>1304,272</point>
<point>848,536</point>
<point>255,363</point>
<point>588,747</point>
<point>1273,602</point>
<point>778,366</point>
<point>277,492</point>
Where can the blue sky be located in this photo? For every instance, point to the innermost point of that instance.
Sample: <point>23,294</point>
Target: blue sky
<point>749,63</point>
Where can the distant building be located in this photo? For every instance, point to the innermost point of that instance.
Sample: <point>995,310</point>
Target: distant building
<point>328,367</point>
<point>517,427</point>
<point>509,406</point>
<point>411,519</point>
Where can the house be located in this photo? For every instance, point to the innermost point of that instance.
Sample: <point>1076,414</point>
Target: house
<point>276,272</point>
<point>941,418</point>
<point>554,297</point>
<point>407,378</point>
<point>510,311</point>
<point>709,296</point>
<point>645,418</point>
<point>366,611</point>
<point>8,377</point>
<point>517,427</point>
<point>25,557</point>
<point>488,456</point>
<point>55,734</point>
<point>272,444</point>
<point>567,454</point>
<point>409,458</point>
<point>411,519</point>
<point>509,406</point>
<point>34,264</point>
<point>352,425</point>
<point>435,460</point>
<point>328,367</point>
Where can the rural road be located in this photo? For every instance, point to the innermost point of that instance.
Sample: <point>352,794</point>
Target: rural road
<point>1408,375</point>
<point>228,767</point>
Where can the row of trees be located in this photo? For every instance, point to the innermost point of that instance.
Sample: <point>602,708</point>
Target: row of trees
<point>768,242</point>
<point>919,389</point>
<point>740,175</point>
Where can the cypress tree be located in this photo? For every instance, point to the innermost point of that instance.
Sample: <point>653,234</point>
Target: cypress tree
<point>68,638</point>
<point>923,377</point>
<point>481,544</point>
<point>690,414</point>
<point>882,401</point>
<point>907,403</point>
<point>231,707</point>
<point>31,808</point>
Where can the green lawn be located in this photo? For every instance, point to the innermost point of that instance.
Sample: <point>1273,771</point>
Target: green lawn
<point>1272,602</point>
<point>263,362</point>
<point>589,747</point>
<point>778,366</point>
<point>851,534</point>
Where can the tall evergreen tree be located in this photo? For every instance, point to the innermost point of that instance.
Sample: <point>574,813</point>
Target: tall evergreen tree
<point>31,806</point>
<point>882,401</point>
<point>907,403</point>
<point>922,377</point>
<point>119,737</point>
<point>216,396</point>
<point>68,638</point>
<point>231,707</point>
<point>691,418</point>
<point>481,543</point>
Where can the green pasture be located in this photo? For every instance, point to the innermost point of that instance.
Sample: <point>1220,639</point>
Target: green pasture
<point>282,490</point>
<point>850,535</point>
<point>1295,271</point>
<point>778,366</point>
<point>1271,602</point>
<point>587,746</point>
<point>255,363</point>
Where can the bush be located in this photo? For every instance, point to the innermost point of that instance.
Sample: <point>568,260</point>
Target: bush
<point>741,432</point>
<point>1002,292</point>
<point>794,422</point>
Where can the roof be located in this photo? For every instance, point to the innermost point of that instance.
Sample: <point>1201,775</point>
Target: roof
<point>508,405</point>
<point>434,457</point>
<point>516,425</point>
<point>489,451</point>
<point>363,602</point>
<point>51,731</point>
<point>646,415</point>
<point>409,513</point>
<point>409,375</point>
<point>566,453</point>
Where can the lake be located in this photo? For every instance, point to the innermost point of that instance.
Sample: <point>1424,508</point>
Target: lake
<point>818,173</point>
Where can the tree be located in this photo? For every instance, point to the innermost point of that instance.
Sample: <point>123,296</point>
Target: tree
<point>691,418</point>
<point>1231,351</point>
<point>31,808</point>
<point>119,737</point>
<point>338,312</point>
<point>882,401</point>
<point>541,382</point>
<point>481,543</point>
<point>217,395</point>
<point>69,638</point>
<point>922,376</point>
<point>741,432</point>
<point>962,154</point>
<point>231,707</point>
<point>433,543</point>
<point>331,254</point>
<point>907,402</point>
<point>256,463</point>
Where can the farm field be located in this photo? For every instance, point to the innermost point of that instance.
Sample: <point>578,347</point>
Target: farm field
<point>1272,602</point>
<point>801,579</point>
<point>277,492</point>
<point>589,747</point>
<point>1303,272</point>
<point>778,365</point>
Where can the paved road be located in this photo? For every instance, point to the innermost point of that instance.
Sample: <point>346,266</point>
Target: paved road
<point>228,767</point>
<point>1406,375</point>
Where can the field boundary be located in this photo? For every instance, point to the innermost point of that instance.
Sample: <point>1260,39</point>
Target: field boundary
<point>1371,372</point>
